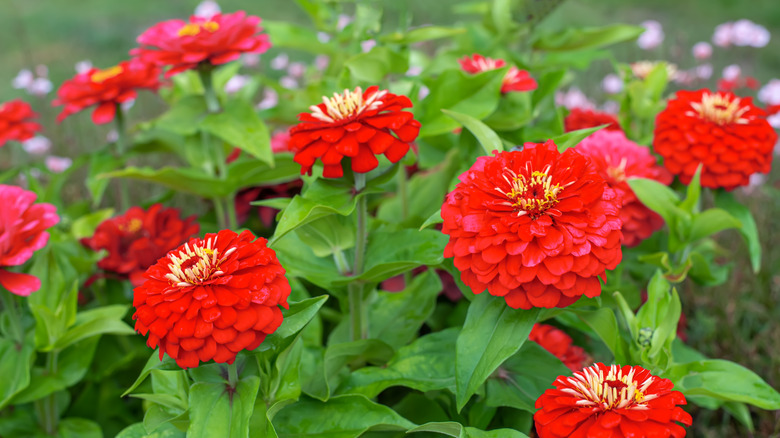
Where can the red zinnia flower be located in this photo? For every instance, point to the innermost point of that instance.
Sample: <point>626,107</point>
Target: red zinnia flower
<point>514,80</point>
<point>23,227</point>
<point>138,238</point>
<point>356,124</point>
<point>727,134</point>
<point>616,159</point>
<point>211,298</point>
<point>16,122</point>
<point>213,40</point>
<point>536,227</point>
<point>582,118</point>
<point>106,89</point>
<point>611,401</point>
<point>559,344</point>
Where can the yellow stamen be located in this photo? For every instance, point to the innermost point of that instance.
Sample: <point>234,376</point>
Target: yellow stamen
<point>196,264</point>
<point>192,29</point>
<point>103,75</point>
<point>612,391</point>
<point>533,195</point>
<point>718,108</point>
<point>132,226</point>
<point>347,104</point>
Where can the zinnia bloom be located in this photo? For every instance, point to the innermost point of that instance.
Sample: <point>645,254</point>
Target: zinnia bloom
<point>727,134</point>
<point>105,89</point>
<point>355,124</point>
<point>536,227</point>
<point>583,118</point>
<point>16,122</point>
<point>211,298</point>
<point>559,344</point>
<point>137,239</point>
<point>23,227</point>
<point>611,401</point>
<point>213,40</point>
<point>616,159</point>
<point>514,80</point>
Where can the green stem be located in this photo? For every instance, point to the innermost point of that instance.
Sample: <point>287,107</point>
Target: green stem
<point>341,261</point>
<point>212,104</point>
<point>9,304</point>
<point>48,411</point>
<point>121,146</point>
<point>230,206</point>
<point>358,326</point>
<point>404,195</point>
<point>232,375</point>
<point>219,211</point>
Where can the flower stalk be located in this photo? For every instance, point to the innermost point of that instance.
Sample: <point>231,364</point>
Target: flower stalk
<point>358,323</point>
<point>121,148</point>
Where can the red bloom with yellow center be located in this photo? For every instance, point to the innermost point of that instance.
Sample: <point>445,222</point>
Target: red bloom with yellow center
<point>16,122</point>
<point>215,40</point>
<point>560,345</point>
<point>514,80</point>
<point>536,227</point>
<point>582,118</point>
<point>611,401</point>
<point>105,89</point>
<point>137,239</point>
<point>354,124</point>
<point>727,134</point>
<point>616,159</point>
<point>211,298</point>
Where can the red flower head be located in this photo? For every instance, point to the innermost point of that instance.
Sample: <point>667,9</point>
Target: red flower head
<point>616,159</point>
<point>611,401</point>
<point>23,227</point>
<point>16,122</point>
<point>138,238</point>
<point>560,345</point>
<point>213,40</point>
<point>211,298</point>
<point>105,89</point>
<point>536,227</point>
<point>582,118</point>
<point>514,80</point>
<point>727,134</point>
<point>356,124</point>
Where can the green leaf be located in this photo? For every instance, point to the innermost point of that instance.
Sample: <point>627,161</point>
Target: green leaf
<point>73,427</point>
<point>214,410</point>
<point>328,235</point>
<point>493,332</point>
<point>501,16</point>
<point>573,138</point>
<point>693,193</point>
<point>425,33</point>
<point>100,162</point>
<point>486,137</point>
<point>295,319</point>
<point>586,38</point>
<point>15,366</point>
<point>434,219</point>
<point>154,363</point>
<point>183,116</point>
<point>138,430</point>
<point>184,180</point>
<point>390,253</point>
<point>374,65</point>
<point>294,36</point>
<point>723,380</point>
<point>85,225</point>
<point>300,262</point>
<point>339,355</point>
<point>712,221</point>
<point>456,430</point>
<point>427,364</point>
<point>748,230</point>
<point>239,125</point>
<point>603,322</point>
<point>95,322</point>
<point>347,416</point>
<point>657,197</point>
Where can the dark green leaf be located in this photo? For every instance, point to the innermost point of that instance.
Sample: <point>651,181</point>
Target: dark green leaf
<point>15,365</point>
<point>73,427</point>
<point>391,253</point>
<point>456,430</point>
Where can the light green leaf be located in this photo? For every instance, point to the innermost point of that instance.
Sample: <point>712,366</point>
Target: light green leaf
<point>374,65</point>
<point>15,366</point>
<point>586,38</point>
<point>73,427</point>
<point>294,36</point>
<point>456,430</point>
<point>391,253</point>
<point>213,410</point>
<point>95,322</point>
<point>573,138</point>
<point>239,125</point>
<point>434,219</point>
<point>424,33</point>
<point>712,221</point>
<point>486,137</point>
<point>748,230</point>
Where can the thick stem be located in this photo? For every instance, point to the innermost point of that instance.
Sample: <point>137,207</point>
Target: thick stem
<point>232,375</point>
<point>121,147</point>
<point>359,326</point>
<point>212,104</point>
<point>48,411</point>
<point>219,211</point>
<point>230,206</point>
<point>9,304</point>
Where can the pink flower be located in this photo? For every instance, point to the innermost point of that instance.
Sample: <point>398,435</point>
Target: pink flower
<point>207,9</point>
<point>652,37</point>
<point>58,164</point>
<point>722,35</point>
<point>770,93</point>
<point>23,227</point>
<point>702,50</point>
<point>612,84</point>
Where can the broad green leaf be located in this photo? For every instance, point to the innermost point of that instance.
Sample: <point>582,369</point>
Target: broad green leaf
<point>712,221</point>
<point>603,322</point>
<point>328,235</point>
<point>391,253</point>
<point>250,173</point>
<point>138,430</point>
<point>456,430</point>
<point>89,323</point>
<point>573,138</point>
<point>657,197</point>
<point>501,16</point>
<point>486,137</point>
<point>183,180</point>
<point>337,356</point>
<point>183,116</point>
<point>492,333</point>
<point>425,33</point>
<point>99,163</point>
<point>748,230</point>
<point>214,410</point>
<point>346,416</point>
<point>514,111</point>
<point>434,219</point>
<point>427,364</point>
<point>15,366</point>
<point>295,319</point>
<point>85,225</point>
<point>154,363</point>
<point>300,262</point>
<point>374,65</point>
<point>586,38</point>
<point>294,36</point>
<point>73,427</point>
<point>239,125</point>
<point>693,193</point>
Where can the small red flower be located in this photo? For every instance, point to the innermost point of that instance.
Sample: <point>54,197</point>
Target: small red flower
<point>23,227</point>
<point>213,40</point>
<point>616,159</point>
<point>582,118</point>
<point>560,345</point>
<point>727,134</point>
<point>137,239</point>
<point>105,89</point>
<point>16,122</point>
<point>211,298</point>
<point>514,80</point>
<point>536,227</point>
<point>355,124</point>
<point>611,401</point>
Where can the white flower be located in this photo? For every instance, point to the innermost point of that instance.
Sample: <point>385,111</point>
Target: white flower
<point>423,93</point>
<point>612,84</point>
<point>236,83</point>
<point>112,136</point>
<point>38,145</point>
<point>702,50</point>
<point>704,71</point>
<point>42,71</point>
<point>23,79</point>
<point>58,164</point>
<point>573,98</point>
<point>770,93</point>
<point>611,107</point>
<point>280,61</point>
<point>207,9</point>
<point>723,35</point>
<point>270,99</point>
<point>732,72</point>
<point>652,37</point>
<point>40,87</point>
<point>83,66</point>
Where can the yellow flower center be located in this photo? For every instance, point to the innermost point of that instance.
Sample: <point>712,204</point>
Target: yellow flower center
<point>103,75</point>
<point>131,226</point>
<point>347,104</point>
<point>192,29</point>
<point>617,173</point>
<point>719,108</point>
<point>532,195</point>
<point>612,391</point>
<point>196,264</point>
